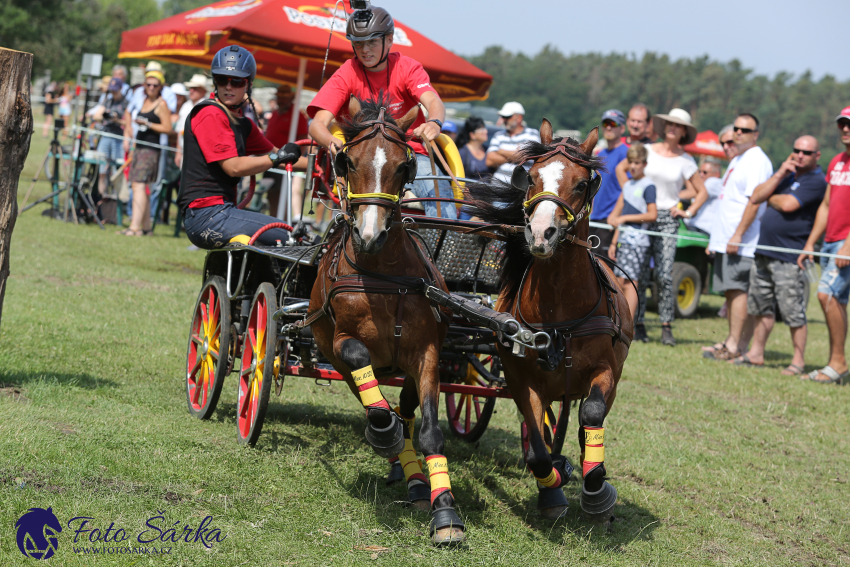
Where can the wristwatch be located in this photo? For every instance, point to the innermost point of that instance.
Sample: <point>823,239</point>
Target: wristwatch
<point>688,213</point>
<point>275,156</point>
<point>437,122</point>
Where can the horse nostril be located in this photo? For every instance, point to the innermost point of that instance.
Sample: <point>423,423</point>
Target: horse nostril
<point>549,233</point>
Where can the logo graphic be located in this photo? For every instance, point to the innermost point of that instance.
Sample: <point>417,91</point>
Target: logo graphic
<point>38,532</point>
<point>229,9</point>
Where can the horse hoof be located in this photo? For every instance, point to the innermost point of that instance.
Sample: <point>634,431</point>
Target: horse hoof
<point>387,441</point>
<point>445,537</point>
<point>551,502</point>
<point>554,512</point>
<point>396,473</point>
<point>597,505</point>
<point>419,496</point>
<point>446,527</point>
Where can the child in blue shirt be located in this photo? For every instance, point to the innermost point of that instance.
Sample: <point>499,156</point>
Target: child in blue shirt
<point>634,209</point>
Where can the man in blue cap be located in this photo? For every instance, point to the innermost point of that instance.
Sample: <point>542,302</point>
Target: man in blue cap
<point>450,130</point>
<point>613,127</point>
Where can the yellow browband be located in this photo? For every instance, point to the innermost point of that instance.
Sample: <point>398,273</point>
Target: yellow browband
<point>393,198</point>
<point>528,203</point>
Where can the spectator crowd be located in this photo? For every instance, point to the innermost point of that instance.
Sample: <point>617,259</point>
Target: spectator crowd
<point>650,183</point>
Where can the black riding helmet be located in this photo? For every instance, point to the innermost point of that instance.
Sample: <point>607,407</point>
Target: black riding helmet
<point>371,23</point>
<point>234,61</point>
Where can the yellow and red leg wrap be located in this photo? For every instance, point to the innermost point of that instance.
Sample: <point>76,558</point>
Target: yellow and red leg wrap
<point>594,449</point>
<point>370,391</point>
<point>411,465</point>
<point>551,481</point>
<point>438,474</point>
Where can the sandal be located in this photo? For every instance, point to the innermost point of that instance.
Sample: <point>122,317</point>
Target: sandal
<point>128,232</point>
<point>832,376</point>
<point>722,353</point>
<point>744,360</point>
<point>713,348</point>
<point>792,370</point>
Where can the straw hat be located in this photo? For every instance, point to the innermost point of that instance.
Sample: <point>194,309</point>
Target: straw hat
<point>676,116</point>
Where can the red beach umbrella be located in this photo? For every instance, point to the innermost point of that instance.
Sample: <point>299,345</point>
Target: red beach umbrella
<point>706,144</point>
<point>288,40</point>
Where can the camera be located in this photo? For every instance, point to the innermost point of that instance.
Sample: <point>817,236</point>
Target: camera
<point>360,4</point>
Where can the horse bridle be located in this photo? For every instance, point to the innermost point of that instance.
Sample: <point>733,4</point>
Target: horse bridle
<point>341,164</point>
<point>521,180</point>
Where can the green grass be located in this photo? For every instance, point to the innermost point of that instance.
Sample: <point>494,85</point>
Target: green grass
<point>714,464</point>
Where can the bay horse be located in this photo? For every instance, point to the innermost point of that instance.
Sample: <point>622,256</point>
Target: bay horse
<point>370,317</point>
<point>551,280</point>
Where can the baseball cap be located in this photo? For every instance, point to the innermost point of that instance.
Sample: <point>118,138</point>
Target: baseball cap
<point>615,116</point>
<point>449,127</point>
<point>115,84</point>
<point>845,113</point>
<point>511,108</point>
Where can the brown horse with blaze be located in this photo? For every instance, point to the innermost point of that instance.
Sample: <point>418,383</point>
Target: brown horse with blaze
<point>552,281</point>
<point>373,319</point>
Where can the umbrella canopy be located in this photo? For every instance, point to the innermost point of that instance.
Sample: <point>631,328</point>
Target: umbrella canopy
<point>706,144</point>
<point>284,35</point>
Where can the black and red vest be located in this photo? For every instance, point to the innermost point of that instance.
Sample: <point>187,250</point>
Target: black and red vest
<point>199,178</point>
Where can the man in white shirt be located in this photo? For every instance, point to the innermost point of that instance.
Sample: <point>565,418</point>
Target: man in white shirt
<point>735,232</point>
<point>505,143</point>
<point>197,92</point>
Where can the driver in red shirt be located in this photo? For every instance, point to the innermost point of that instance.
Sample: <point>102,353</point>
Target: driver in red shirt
<point>375,72</point>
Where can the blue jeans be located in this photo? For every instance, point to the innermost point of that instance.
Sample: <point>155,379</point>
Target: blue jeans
<point>425,188</point>
<point>112,149</point>
<point>834,281</point>
<point>213,227</point>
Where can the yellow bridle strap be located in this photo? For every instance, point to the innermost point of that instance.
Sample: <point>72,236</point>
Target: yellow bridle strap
<point>528,203</point>
<point>387,196</point>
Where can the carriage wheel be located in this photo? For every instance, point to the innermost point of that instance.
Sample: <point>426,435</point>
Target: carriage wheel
<point>207,358</point>
<point>550,424</point>
<point>468,414</point>
<point>257,366</point>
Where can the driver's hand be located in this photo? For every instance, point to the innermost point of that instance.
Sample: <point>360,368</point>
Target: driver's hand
<point>334,146</point>
<point>428,131</point>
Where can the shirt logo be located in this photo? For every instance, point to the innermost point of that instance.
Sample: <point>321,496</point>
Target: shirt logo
<point>795,185</point>
<point>423,85</point>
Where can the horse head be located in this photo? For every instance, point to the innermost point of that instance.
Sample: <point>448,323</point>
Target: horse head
<point>376,163</point>
<point>559,188</point>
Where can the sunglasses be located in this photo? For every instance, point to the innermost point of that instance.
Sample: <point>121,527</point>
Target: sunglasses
<point>609,124</point>
<point>235,82</point>
<point>152,85</point>
<point>704,172</point>
<point>727,143</point>
<point>743,130</point>
<point>804,152</point>
<point>842,124</point>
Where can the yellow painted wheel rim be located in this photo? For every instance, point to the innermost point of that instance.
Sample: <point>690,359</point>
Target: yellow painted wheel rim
<point>687,291</point>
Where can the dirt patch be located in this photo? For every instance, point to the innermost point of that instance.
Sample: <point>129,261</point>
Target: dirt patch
<point>14,392</point>
<point>23,479</point>
<point>64,428</point>
<point>184,268</point>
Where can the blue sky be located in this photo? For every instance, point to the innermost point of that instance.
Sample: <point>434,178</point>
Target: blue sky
<point>766,36</point>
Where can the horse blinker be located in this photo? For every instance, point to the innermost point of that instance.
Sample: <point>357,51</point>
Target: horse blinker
<point>520,179</point>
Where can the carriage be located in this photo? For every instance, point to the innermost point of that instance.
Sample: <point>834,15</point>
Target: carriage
<point>329,307</point>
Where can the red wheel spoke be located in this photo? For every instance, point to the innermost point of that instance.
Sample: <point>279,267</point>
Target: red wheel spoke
<point>246,400</point>
<point>214,354</point>
<point>197,340</point>
<point>468,414</point>
<point>204,317</point>
<point>194,369</point>
<point>252,339</point>
<point>458,408</point>
<point>478,403</point>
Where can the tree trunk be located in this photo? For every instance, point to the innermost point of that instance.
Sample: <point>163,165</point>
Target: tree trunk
<point>15,132</point>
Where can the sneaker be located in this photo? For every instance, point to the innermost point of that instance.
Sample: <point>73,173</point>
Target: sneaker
<point>640,333</point>
<point>667,336</point>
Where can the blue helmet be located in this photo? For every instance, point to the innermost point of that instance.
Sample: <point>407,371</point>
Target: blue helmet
<point>234,61</point>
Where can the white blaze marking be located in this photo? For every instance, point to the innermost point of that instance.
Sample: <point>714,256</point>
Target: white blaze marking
<point>369,217</point>
<point>544,214</point>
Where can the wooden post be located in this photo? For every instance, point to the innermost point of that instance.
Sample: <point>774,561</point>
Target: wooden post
<point>15,132</point>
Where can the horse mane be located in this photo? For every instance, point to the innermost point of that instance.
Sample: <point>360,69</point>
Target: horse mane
<point>370,110</point>
<point>498,202</point>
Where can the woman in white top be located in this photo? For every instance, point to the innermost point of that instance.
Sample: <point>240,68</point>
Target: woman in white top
<point>671,170</point>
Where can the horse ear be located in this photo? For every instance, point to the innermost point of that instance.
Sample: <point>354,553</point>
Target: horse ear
<point>408,119</point>
<point>353,106</point>
<point>520,179</point>
<point>590,142</point>
<point>546,132</point>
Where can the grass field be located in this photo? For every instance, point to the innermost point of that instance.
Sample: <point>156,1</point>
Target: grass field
<point>714,464</point>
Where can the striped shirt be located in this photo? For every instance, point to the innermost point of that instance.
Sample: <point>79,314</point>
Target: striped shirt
<point>501,140</point>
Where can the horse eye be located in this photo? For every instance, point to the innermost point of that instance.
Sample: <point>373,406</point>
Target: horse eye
<point>581,187</point>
